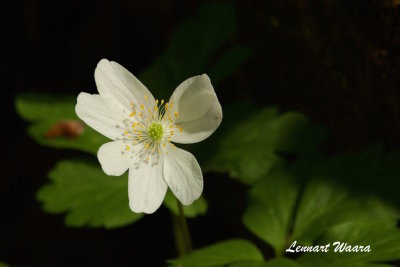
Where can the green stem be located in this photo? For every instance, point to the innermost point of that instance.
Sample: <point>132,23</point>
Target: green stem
<point>181,232</point>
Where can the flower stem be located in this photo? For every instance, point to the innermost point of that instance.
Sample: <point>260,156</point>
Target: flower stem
<point>181,231</point>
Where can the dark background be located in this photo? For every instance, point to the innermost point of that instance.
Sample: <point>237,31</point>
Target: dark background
<point>335,61</point>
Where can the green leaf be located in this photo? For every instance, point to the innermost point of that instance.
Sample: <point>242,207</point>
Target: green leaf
<point>45,112</point>
<point>270,208</point>
<point>250,150</point>
<point>225,253</point>
<point>192,48</point>
<point>325,204</point>
<point>198,207</point>
<point>325,212</point>
<point>2,264</point>
<point>87,195</point>
<point>384,242</point>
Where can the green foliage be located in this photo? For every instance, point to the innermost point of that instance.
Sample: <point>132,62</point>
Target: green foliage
<point>192,47</point>
<point>384,241</point>
<point>281,211</point>
<point>2,264</point>
<point>226,253</point>
<point>270,208</point>
<point>44,112</point>
<point>77,188</point>
<point>302,202</point>
<point>251,148</point>
<point>88,196</point>
<point>198,207</point>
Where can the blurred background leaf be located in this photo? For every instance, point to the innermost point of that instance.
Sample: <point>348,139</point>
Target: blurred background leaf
<point>192,48</point>
<point>253,146</point>
<point>225,253</point>
<point>45,112</point>
<point>2,264</point>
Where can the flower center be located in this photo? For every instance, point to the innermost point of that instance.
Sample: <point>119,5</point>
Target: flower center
<point>155,131</point>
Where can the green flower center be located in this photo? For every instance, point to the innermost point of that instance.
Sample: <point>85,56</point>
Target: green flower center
<point>155,131</point>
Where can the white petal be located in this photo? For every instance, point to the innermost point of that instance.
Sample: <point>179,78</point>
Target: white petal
<point>95,113</point>
<point>199,111</point>
<point>183,175</point>
<point>198,130</point>
<point>113,158</point>
<point>146,187</point>
<point>115,82</point>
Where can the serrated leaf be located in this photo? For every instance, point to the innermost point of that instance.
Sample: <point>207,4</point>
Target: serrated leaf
<point>384,242</point>
<point>270,208</point>
<point>250,150</point>
<point>45,112</point>
<point>87,195</point>
<point>325,204</point>
<point>326,212</point>
<point>224,253</point>
<point>198,207</point>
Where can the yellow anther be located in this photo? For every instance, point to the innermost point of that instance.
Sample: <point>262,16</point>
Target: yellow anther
<point>147,159</point>
<point>180,129</point>
<point>141,106</point>
<point>157,101</point>
<point>127,148</point>
<point>172,132</point>
<point>125,132</point>
<point>140,114</point>
<point>176,114</point>
<point>145,97</point>
<point>146,146</point>
<point>162,101</point>
<point>164,144</point>
<point>171,126</point>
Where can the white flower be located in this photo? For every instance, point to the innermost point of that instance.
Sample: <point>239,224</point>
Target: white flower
<point>142,130</point>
